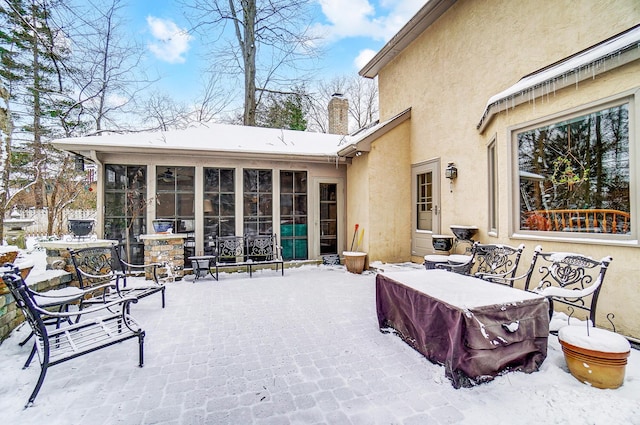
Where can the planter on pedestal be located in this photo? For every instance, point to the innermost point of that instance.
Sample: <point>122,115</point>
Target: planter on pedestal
<point>354,260</point>
<point>598,358</point>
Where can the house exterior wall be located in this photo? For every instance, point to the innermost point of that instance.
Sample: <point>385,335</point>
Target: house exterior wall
<point>475,50</point>
<point>386,213</point>
<point>316,171</point>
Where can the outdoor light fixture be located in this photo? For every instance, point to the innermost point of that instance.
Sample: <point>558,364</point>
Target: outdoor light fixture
<point>451,172</point>
<point>79,163</point>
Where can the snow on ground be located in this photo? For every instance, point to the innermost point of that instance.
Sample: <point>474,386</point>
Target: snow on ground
<point>298,349</point>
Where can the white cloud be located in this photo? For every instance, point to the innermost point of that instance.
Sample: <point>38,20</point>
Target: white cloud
<point>363,58</point>
<point>171,42</point>
<point>360,18</point>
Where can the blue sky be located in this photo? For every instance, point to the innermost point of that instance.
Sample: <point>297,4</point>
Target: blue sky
<point>353,31</point>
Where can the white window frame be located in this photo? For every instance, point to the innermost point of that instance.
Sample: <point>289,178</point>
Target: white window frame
<point>492,187</point>
<point>630,97</point>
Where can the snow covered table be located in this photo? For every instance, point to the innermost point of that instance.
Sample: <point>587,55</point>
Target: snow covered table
<point>476,329</point>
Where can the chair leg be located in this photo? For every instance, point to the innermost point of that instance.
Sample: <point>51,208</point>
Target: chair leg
<point>163,303</point>
<point>141,349</point>
<point>33,353</point>
<point>36,390</point>
<point>24,341</point>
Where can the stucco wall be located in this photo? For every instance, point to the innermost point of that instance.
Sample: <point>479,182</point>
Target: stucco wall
<point>390,196</point>
<point>475,50</point>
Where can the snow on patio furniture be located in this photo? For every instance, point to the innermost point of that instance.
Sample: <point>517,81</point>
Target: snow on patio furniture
<point>567,278</point>
<point>57,300</point>
<point>248,251</point>
<point>571,279</point>
<point>101,326</point>
<point>491,262</point>
<point>98,265</point>
<point>476,329</point>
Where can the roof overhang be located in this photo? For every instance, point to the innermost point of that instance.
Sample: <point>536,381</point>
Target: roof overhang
<point>427,15</point>
<point>214,141</point>
<point>361,140</point>
<point>587,64</point>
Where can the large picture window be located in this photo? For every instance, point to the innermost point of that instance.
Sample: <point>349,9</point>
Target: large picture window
<point>574,174</point>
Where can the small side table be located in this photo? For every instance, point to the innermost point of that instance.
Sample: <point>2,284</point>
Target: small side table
<point>202,265</point>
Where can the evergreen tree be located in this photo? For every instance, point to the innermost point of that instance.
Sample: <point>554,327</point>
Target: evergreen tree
<point>31,54</point>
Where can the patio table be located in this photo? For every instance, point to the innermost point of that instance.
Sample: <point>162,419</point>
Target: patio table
<point>202,265</point>
<point>476,329</point>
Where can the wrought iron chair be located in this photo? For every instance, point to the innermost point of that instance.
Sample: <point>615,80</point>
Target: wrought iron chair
<point>571,279</point>
<point>493,262</point>
<point>110,325</point>
<point>96,266</point>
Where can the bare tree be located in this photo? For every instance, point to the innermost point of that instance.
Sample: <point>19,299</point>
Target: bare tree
<point>211,101</point>
<point>363,102</point>
<point>268,38</point>
<point>107,74</point>
<point>163,113</point>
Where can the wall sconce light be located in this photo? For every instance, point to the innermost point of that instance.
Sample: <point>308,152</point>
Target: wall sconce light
<point>451,172</point>
<point>79,163</point>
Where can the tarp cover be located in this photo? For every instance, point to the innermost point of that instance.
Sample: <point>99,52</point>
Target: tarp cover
<point>474,343</point>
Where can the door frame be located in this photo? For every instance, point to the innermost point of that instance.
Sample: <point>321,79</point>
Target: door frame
<point>314,214</point>
<point>422,238</point>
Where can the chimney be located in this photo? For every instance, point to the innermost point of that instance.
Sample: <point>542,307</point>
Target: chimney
<point>338,114</point>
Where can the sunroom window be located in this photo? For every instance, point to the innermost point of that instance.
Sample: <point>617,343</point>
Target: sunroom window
<point>574,174</point>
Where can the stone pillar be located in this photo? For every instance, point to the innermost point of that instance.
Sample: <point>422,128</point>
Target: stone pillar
<point>161,248</point>
<point>338,114</point>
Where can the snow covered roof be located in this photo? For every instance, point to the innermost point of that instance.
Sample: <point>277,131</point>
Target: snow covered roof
<point>233,140</point>
<point>605,56</point>
<point>360,141</point>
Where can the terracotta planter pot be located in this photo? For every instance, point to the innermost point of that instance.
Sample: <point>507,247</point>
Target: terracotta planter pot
<point>354,261</point>
<point>591,363</point>
<point>8,257</point>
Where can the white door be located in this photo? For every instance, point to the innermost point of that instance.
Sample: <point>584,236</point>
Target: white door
<point>426,206</point>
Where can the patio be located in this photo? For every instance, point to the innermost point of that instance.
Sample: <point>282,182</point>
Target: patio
<point>300,349</point>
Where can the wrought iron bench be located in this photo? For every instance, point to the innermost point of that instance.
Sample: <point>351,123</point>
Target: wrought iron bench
<point>101,326</point>
<point>95,266</point>
<point>247,251</point>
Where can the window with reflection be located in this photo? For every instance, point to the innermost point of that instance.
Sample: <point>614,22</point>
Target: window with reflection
<point>574,174</point>
<point>258,202</point>
<point>125,201</point>
<point>175,194</point>
<point>293,215</point>
<point>219,203</point>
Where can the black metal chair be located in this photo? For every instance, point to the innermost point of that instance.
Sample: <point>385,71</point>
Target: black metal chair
<point>571,279</point>
<point>492,262</point>
<point>96,266</point>
<point>104,325</point>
